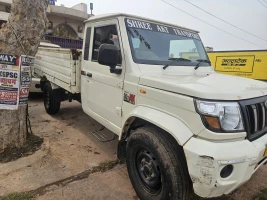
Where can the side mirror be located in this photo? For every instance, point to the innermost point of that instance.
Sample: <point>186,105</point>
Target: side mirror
<point>108,55</point>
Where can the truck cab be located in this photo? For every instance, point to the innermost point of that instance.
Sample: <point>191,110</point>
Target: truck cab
<point>182,127</point>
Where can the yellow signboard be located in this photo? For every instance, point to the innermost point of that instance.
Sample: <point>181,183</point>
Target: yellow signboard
<point>190,55</point>
<point>249,64</point>
<point>234,63</point>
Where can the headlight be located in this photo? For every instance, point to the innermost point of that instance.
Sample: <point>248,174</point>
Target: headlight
<point>220,116</point>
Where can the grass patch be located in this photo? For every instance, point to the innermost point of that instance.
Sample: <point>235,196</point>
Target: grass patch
<point>262,195</point>
<point>105,166</point>
<point>19,196</point>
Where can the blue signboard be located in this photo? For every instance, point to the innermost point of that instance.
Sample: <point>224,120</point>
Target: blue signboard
<point>52,2</point>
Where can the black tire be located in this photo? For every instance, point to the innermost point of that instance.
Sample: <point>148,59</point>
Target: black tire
<point>157,166</point>
<point>51,101</point>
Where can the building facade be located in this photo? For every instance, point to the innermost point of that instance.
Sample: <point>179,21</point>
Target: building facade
<point>66,25</point>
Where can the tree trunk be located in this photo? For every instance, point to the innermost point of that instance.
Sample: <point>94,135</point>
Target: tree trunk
<point>19,36</point>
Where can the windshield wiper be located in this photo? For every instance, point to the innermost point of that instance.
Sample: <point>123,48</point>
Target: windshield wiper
<point>176,60</point>
<point>201,61</point>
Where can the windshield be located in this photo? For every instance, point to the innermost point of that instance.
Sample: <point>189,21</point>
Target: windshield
<point>157,44</point>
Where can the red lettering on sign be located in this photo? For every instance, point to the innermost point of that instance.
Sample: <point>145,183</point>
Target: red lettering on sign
<point>8,95</point>
<point>8,81</point>
<point>24,92</point>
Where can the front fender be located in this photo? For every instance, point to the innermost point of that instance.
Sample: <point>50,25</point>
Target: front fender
<point>167,122</point>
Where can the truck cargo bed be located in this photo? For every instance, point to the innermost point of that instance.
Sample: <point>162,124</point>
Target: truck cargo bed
<point>60,66</point>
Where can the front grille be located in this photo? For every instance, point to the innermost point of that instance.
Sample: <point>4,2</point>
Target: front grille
<point>255,117</point>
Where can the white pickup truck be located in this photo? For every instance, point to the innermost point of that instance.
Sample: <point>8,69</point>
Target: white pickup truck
<point>35,81</point>
<point>182,127</point>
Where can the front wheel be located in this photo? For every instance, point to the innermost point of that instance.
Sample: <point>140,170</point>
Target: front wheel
<point>51,102</point>
<point>157,166</point>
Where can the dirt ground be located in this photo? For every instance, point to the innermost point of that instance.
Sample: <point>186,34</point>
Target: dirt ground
<point>65,172</point>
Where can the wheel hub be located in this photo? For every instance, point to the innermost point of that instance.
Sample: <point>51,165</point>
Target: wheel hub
<point>148,171</point>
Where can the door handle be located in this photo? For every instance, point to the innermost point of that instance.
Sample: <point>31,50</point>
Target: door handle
<point>89,75</point>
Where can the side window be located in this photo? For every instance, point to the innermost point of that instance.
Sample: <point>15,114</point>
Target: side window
<point>105,35</point>
<point>87,44</point>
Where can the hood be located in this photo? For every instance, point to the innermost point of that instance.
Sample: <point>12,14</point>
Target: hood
<point>207,86</point>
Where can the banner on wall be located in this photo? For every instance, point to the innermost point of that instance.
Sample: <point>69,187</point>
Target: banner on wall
<point>9,81</point>
<point>25,79</point>
<point>52,2</point>
<point>15,80</point>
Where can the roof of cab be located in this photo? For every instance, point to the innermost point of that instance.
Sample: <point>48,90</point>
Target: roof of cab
<point>114,15</point>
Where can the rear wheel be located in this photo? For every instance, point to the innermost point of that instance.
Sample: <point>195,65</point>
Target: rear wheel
<point>51,101</point>
<point>157,165</point>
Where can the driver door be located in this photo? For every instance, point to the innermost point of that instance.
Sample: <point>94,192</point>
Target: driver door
<point>103,89</point>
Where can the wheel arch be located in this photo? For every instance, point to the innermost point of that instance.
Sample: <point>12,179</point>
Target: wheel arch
<point>141,116</point>
<point>43,81</point>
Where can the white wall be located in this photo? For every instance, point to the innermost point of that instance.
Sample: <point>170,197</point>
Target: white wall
<point>79,17</point>
<point>4,16</point>
<point>5,1</point>
<point>59,20</point>
<point>81,7</point>
<point>3,8</point>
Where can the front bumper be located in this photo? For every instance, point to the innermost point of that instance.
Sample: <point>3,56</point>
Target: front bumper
<point>206,159</point>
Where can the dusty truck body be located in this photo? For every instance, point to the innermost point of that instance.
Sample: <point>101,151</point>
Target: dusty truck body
<point>247,64</point>
<point>35,82</point>
<point>181,125</point>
